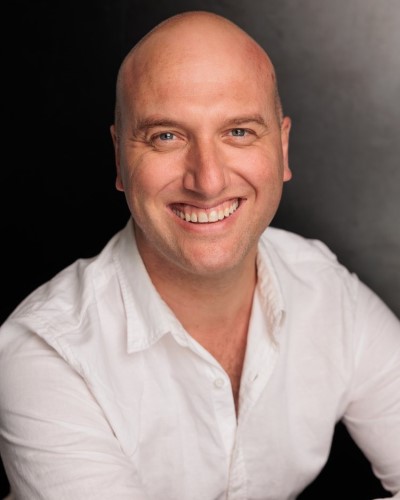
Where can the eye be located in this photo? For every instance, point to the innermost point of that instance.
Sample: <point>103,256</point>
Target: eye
<point>238,132</point>
<point>166,141</point>
<point>166,136</point>
<point>240,137</point>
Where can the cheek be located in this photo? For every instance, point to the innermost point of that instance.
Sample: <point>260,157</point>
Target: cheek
<point>263,170</point>
<point>144,180</point>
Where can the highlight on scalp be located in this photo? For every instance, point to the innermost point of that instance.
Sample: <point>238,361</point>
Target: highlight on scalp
<point>183,18</point>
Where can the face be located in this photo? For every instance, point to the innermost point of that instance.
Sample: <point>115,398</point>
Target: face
<point>201,156</point>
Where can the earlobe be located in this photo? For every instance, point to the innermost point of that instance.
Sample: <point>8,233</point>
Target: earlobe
<point>118,181</point>
<point>285,132</point>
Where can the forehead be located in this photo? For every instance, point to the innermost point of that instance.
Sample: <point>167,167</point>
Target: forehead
<point>196,66</point>
<point>207,81</point>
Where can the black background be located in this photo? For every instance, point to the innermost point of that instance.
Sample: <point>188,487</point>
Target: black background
<point>338,66</point>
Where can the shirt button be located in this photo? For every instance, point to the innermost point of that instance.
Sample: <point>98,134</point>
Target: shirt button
<point>219,382</point>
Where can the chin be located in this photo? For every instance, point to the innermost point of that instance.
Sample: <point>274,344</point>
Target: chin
<point>213,263</point>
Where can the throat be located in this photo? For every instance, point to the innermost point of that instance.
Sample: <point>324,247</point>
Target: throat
<point>227,343</point>
<point>214,310</point>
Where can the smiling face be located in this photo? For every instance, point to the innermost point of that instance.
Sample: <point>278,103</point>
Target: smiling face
<point>201,152</point>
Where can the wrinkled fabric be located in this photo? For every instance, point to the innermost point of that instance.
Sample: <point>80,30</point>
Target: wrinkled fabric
<point>103,394</point>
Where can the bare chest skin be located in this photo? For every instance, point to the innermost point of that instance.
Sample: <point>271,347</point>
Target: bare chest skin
<point>229,348</point>
<point>214,311</point>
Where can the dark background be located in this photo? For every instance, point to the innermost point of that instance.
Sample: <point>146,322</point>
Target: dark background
<point>338,65</point>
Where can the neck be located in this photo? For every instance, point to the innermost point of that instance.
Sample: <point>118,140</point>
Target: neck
<point>213,308</point>
<point>209,302</point>
<point>212,302</point>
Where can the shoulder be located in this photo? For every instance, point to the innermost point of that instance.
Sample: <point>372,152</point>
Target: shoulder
<point>307,268</point>
<point>294,248</point>
<point>62,305</point>
<point>309,272</point>
<point>304,258</point>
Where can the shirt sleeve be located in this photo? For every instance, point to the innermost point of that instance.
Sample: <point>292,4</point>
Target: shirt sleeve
<point>373,414</point>
<point>55,441</point>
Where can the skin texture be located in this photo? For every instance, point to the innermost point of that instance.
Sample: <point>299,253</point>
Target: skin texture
<point>199,128</point>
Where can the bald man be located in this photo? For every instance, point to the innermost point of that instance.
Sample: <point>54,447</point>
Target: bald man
<point>203,354</point>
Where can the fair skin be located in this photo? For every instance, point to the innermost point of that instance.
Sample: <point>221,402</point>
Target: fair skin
<point>201,153</point>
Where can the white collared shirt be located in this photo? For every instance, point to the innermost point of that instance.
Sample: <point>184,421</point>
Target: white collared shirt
<point>104,395</point>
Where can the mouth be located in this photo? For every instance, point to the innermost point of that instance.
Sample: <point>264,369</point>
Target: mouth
<point>198,215</point>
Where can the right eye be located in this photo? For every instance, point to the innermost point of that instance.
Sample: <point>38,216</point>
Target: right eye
<point>166,141</point>
<point>165,136</point>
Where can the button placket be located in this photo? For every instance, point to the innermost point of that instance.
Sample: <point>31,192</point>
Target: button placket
<point>219,382</point>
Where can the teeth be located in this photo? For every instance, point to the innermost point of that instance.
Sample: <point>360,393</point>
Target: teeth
<point>191,214</point>
<point>202,217</point>
<point>213,217</point>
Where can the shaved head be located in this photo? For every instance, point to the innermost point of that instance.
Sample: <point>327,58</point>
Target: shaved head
<point>199,137</point>
<point>189,37</point>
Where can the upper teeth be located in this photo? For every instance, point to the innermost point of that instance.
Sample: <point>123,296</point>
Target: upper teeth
<point>201,215</point>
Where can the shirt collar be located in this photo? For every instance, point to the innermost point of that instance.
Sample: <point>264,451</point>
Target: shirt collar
<point>269,288</point>
<point>148,316</point>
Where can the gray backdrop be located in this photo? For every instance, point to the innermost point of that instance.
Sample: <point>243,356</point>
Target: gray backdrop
<point>338,66</point>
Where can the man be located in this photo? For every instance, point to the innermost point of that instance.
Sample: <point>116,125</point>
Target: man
<point>203,354</point>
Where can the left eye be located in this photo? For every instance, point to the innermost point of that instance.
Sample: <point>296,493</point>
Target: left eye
<point>166,136</point>
<point>238,132</point>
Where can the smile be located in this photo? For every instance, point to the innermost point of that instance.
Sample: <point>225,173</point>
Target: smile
<point>197,215</point>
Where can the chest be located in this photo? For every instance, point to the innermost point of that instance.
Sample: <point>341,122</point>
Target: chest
<point>229,349</point>
<point>184,410</point>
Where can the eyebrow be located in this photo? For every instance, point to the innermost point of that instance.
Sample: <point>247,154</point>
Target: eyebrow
<point>148,123</point>
<point>241,120</point>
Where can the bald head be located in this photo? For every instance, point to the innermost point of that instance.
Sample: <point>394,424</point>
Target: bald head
<point>198,43</point>
<point>198,130</point>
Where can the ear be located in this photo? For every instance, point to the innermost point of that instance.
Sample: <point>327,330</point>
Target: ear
<point>285,131</point>
<point>115,139</point>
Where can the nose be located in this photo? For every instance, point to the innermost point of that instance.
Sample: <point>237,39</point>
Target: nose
<point>205,172</point>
